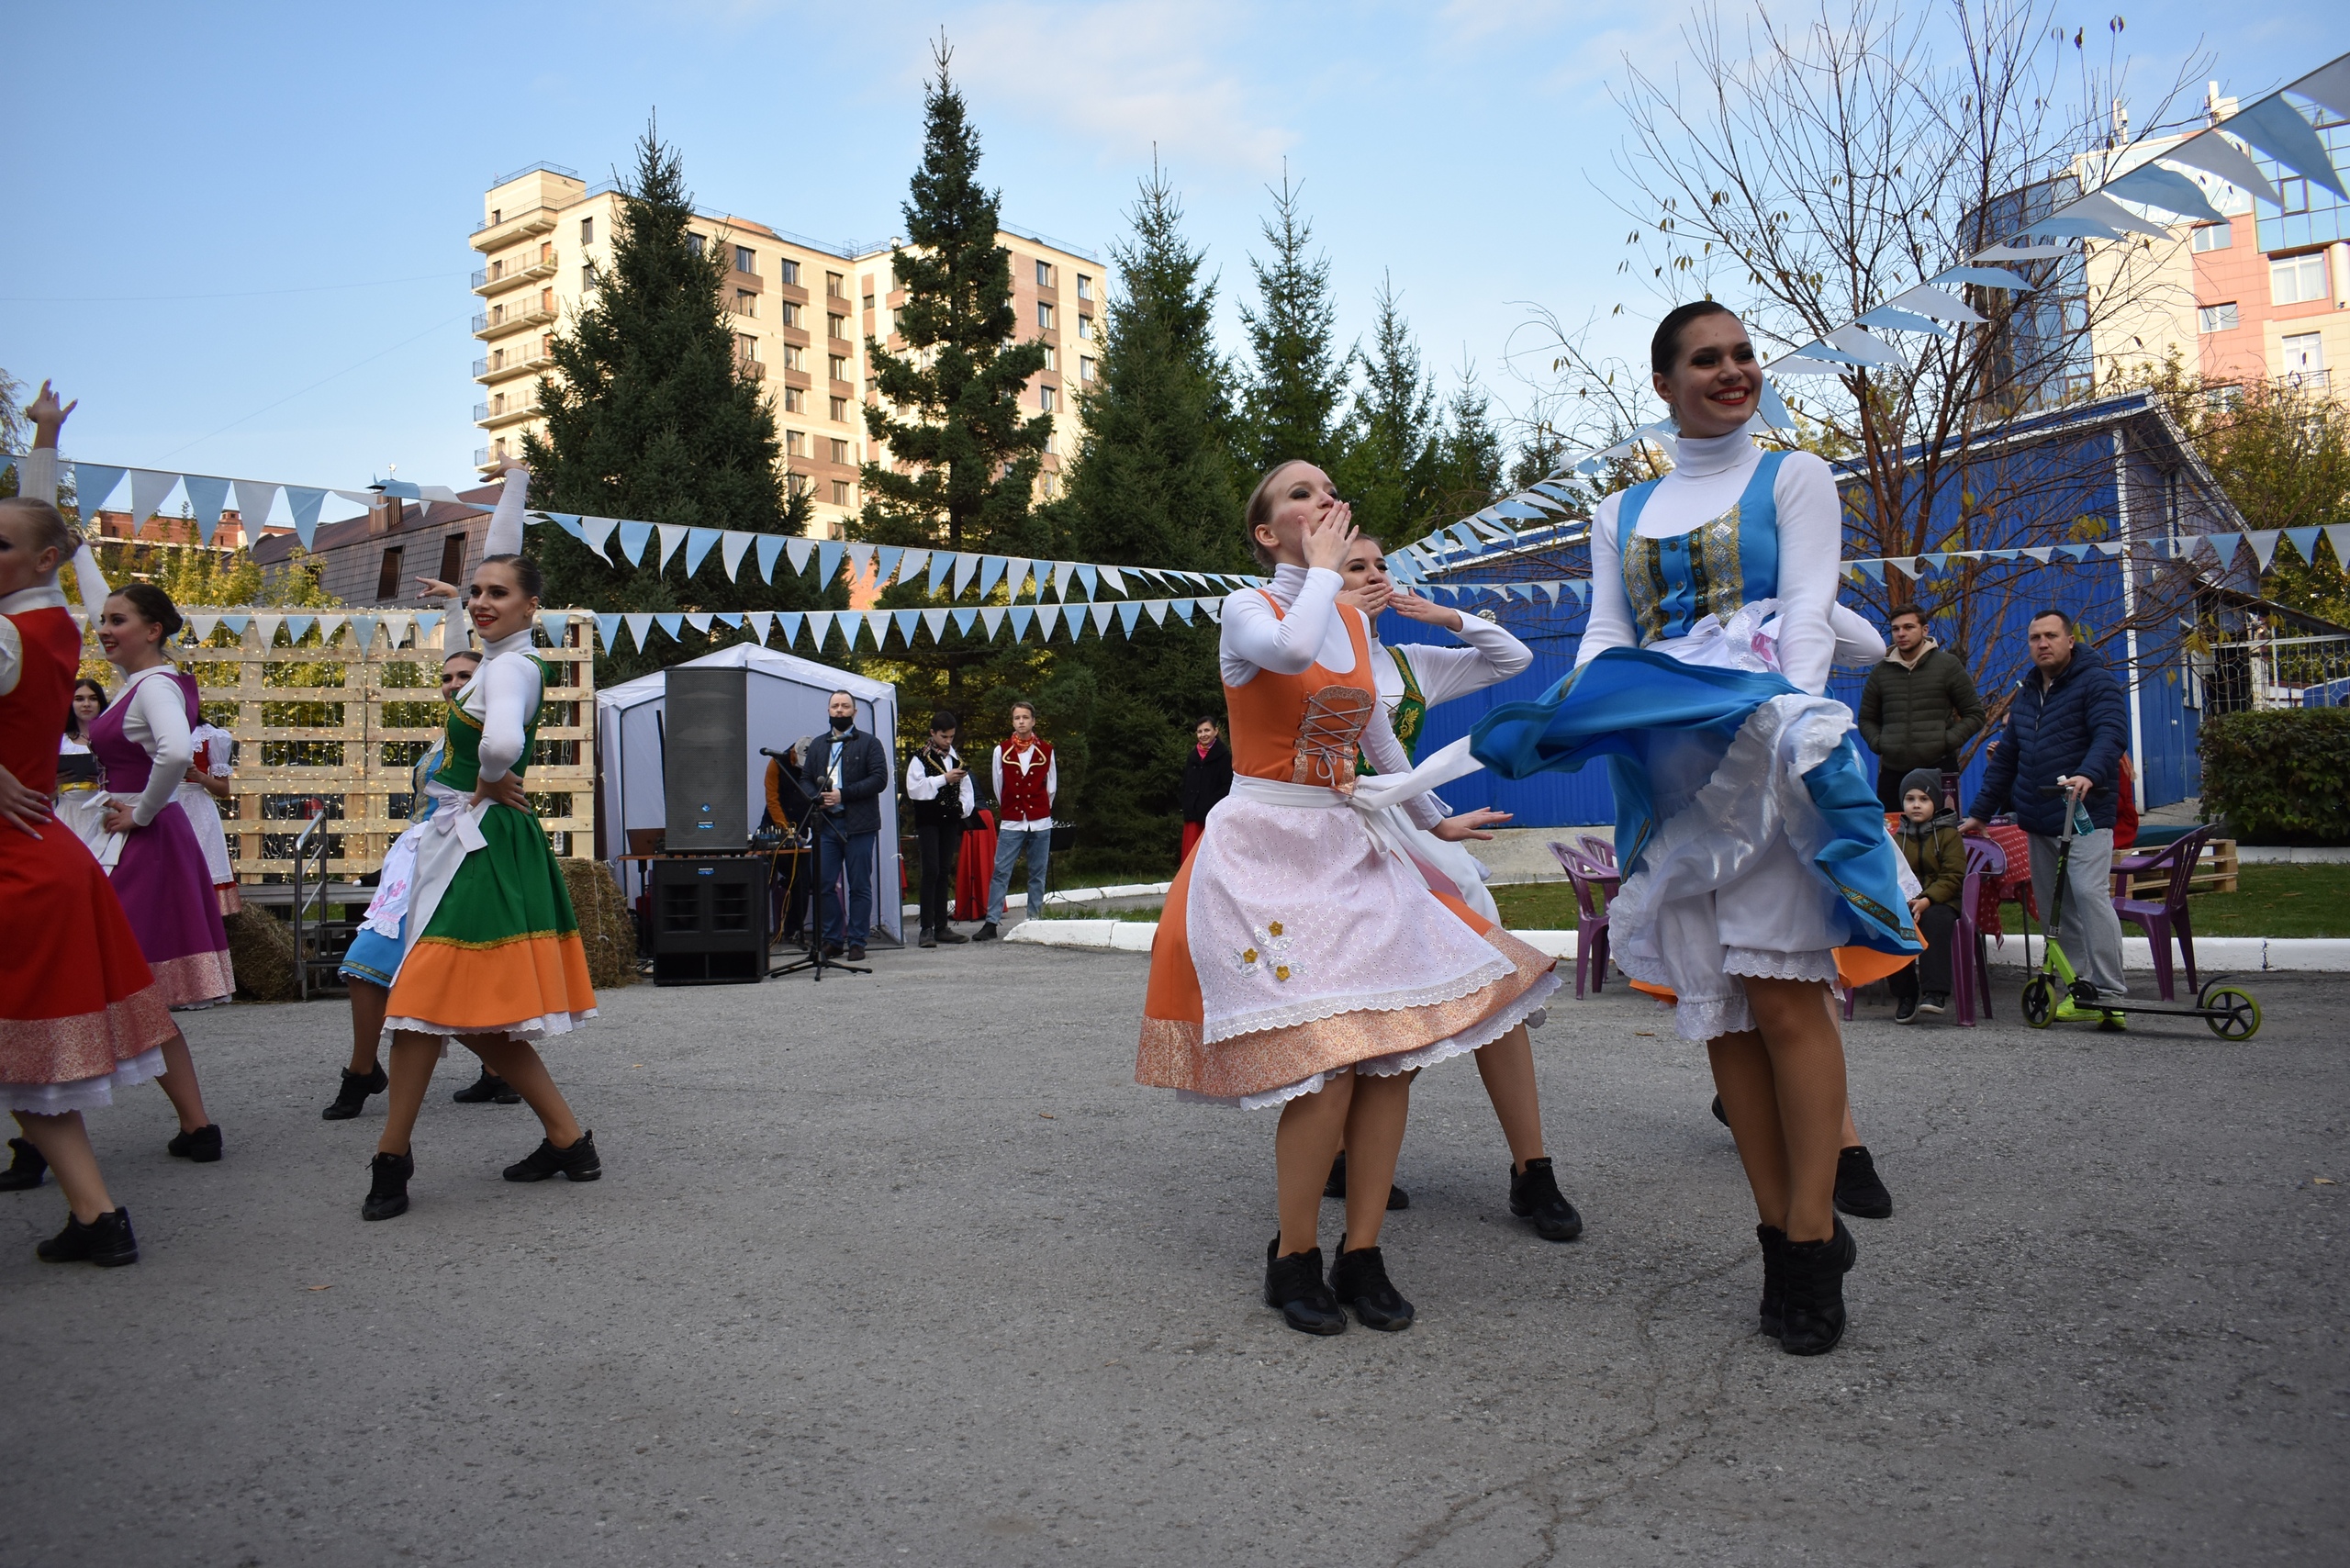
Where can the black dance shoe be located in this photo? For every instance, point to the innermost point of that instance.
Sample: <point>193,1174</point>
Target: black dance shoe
<point>387,1186</point>
<point>24,1172</point>
<point>1359,1279</point>
<point>1534,1197</point>
<point>578,1163</point>
<point>203,1146</point>
<point>1812,1320</point>
<point>1335,1187</point>
<point>1294,1286</point>
<point>1771,1317</point>
<point>1858,1193</point>
<point>1719,1115</point>
<point>106,1241</point>
<point>351,1098</point>
<point>488,1089</point>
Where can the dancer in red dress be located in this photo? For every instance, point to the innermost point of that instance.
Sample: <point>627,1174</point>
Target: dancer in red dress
<point>79,1014</point>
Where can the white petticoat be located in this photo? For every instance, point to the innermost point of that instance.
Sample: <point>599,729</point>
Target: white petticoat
<point>81,1093</point>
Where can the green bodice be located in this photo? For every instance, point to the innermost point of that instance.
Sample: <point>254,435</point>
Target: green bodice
<point>461,740</point>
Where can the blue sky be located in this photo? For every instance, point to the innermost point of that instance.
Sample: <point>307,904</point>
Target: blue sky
<point>270,155</point>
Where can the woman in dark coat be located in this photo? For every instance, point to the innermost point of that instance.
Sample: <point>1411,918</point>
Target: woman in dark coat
<point>1207,779</point>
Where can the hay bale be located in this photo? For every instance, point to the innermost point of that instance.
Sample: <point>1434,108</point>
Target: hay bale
<point>261,950</point>
<point>607,928</point>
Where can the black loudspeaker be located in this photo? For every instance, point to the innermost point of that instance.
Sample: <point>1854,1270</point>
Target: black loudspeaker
<point>704,742</point>
<point>710,921</point>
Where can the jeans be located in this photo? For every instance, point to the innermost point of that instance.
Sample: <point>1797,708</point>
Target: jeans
<point>941,850</point>
<point>2091,931</point>
<point>859,851</point>
<point>1038,843</point>
<point>1931,973</point>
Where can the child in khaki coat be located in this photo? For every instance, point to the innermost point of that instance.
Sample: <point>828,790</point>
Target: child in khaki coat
<point>1937,855</point>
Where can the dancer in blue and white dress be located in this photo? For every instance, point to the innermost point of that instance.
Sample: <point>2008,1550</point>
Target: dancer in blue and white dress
<point>1751,845</point>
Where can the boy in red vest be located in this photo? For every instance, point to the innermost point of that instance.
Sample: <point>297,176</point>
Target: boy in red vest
<point>1026,779</point>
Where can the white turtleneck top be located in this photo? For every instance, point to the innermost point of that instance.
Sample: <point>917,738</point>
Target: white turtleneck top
<point>1309,632</point>
<point>503,694</point>
<point>1706,480</point>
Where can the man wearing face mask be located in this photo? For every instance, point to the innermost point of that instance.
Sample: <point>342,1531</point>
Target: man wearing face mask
<point>846,770</point>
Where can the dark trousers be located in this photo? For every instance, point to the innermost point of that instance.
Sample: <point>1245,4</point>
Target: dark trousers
<point>1939,926</point>
<point>942,852</point>
<point>856,849</point>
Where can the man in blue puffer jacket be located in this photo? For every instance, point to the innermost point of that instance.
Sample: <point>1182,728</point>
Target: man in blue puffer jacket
<point>2069,727</point>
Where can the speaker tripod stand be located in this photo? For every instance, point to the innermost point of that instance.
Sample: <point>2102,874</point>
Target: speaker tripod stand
<point>812,920</point>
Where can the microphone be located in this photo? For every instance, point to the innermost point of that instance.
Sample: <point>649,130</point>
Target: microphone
<point>778,755</point>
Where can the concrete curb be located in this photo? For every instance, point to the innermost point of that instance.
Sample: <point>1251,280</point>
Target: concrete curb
<point>2263,855</point>
<point>2216,955</point>
<point>1124,895</point>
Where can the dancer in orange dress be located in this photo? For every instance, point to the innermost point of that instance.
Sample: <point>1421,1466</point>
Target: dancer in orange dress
<point>1300,960</point>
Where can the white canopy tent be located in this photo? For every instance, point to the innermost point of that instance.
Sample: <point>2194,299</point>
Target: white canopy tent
<point>786,697</point>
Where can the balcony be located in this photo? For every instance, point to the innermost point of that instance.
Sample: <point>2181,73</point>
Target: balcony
<point>481,454</point>
<point>489,235</point>
<point>519,314</point>
<point>751,369</point>
<point>515,273</point>
<point>2309,380</point>
<point>517,362</point>
<point>516,409</point>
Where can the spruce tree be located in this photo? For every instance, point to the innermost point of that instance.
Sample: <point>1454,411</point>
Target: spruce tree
<point>648,418</point>
<point>1469,453</point>
<point>1298,381</point>
<point>1390,467</point>
<point>958,455</point>
<point>1157,482</point>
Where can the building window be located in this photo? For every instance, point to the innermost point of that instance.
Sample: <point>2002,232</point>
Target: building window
<point>387,581</point>
<point>587,230</point>
<point>795,401</point>
<point>1085,367</point>
<point>1084,286</point>
<point>1085,327</point>
<point>791,356</point>
<point>2305,356</point>
<point>836,326</point>
<point>1044,316</point>
<point>588,278</point>
<point>1052,361</point>
<point>498,268</point>
<point>840,452</point>
<point>2216,318</point>
<point>694,242</point>
<point>2294,195</point>
<point>840,410</point>
<point>497,215</point>
<point>795,444</point>
<point>790,314</point>
<point>2214,236</point>
<point>791,273</point>
<point>2297,280</point>
<point>868,301</point>
<point>746,303</point>
<point>746,261</point>
<point>1045,398</point>
<point>840,492</point>
<point>836,285</point>
<point>452,559</point>
<point>1052,486</point>
<point>497,404</point>
<point>839,364</point>
<point>1044,275</point>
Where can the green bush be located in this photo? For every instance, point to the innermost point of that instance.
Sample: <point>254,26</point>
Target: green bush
<point>2281,777</point>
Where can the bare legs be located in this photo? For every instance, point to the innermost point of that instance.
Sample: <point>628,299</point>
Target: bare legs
<point>1507,1067</point>
<point>1782,1085</point>
<point>1368,1114</point>
<point>64,1142</point>
<point>368,1003</point>
<point>415,1055</point>
<point>178,1082</point>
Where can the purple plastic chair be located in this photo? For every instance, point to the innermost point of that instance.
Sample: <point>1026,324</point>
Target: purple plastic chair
<point>1970,973</point>
<point>1591,915</point>
<point>2161,921</point>
<point>1597,850</point>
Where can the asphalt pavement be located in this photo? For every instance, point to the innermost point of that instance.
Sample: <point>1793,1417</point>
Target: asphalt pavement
<point>903,1267</point>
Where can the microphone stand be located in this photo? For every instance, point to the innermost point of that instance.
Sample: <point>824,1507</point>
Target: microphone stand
<point>812,922</point>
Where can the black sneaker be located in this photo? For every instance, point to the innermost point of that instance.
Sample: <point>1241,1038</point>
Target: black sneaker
<point>1813,1319</point>
<point>949,937</point>
<point>578,1163</point>
<point>1293,1287</point>
<point>1359,1279</point>
<point>1534,1197</point>
<point>1932,1003</point>
<point>1858,1193</point>
<point>202,1146</point>
<point>352,1097</point>
<point>387,1186</point>
<point>988,934</point>
<point>106,1241</point>
<point>1335,1187</point>
<point>1772,1316</point>
<point>24,1172</point>
<point>1904,1010</point>
<point>487,1089</point>
<point>927,941</point>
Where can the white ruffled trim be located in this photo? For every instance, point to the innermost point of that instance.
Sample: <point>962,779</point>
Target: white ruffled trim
<point>80,1093</point>
<point>1819,964</point>
<point>1694,1018</point>
<point>528,1029</point>
<point>1322,1007</point>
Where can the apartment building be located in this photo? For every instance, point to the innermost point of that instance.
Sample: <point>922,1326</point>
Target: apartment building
<point>801,310</point>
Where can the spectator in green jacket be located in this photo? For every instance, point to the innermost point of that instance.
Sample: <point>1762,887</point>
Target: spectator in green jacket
<point>1937,856</point>
<point>1920,706</point>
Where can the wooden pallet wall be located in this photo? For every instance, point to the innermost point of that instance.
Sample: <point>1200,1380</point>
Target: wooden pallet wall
<point>338,728</point>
